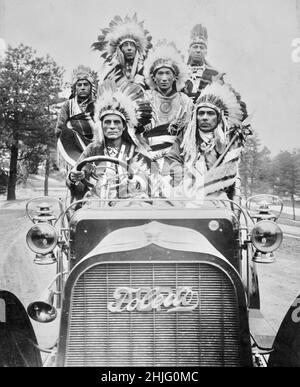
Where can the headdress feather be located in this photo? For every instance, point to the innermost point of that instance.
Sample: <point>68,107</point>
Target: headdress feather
<point>224,100</point>
<point>120,30</point>
<point>84,72</point>
<point>199,34</point>
<point>166,54</point>
<point>126,100</point>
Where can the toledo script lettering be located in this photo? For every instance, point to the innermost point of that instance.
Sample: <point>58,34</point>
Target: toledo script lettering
<point>145,299</point>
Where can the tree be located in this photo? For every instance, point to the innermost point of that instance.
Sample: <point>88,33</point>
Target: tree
<point>287,175</point>
<point>255,167</point>
<point>29,87</point>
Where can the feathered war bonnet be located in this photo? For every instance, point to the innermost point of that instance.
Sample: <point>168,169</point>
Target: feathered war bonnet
<point>221,98</point>
<point>83,72</point>
<point>119,31</point>
<point>199,35</point>
<point>126,101</point>
<point>165,54</point>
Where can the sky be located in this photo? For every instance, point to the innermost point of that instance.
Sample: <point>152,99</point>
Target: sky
<point>255,42</point>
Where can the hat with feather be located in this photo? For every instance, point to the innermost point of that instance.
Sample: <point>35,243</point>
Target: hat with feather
<point>199,35</point>
<point>122,30</point>
<point>126,101</point>
<point>166,54</point>
<point>221,98</point>
<point>82,72</point>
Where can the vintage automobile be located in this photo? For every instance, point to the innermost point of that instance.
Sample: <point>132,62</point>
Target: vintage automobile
<point>151,281</point>
<point>286,346</point>
<point>18,343</point>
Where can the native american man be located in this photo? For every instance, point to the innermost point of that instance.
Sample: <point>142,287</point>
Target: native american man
<point>212,142</point>
<point>124,46</point>
<point>118,111</point>
<point>77,113</point>
<point>166,73</point>
<point>201,72</point>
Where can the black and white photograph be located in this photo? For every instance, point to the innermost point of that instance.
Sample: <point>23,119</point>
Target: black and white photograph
<point>149,186</point>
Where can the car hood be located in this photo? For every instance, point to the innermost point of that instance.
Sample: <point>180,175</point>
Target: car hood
<point>163,235</point>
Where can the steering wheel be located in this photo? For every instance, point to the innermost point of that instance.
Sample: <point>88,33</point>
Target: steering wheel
<point>103,159</point>
<point>139,182</point>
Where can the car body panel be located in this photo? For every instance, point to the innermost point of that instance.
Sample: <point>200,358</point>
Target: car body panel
<point>17,337</point>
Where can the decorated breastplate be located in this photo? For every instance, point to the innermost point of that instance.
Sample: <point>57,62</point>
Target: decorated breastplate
<point>166,107</point>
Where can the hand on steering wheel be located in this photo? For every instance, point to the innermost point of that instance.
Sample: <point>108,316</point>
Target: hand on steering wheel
<point>106,179</point>
<point>76,175</point>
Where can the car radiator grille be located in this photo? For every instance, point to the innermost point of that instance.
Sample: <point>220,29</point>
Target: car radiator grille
<point>206,336</point>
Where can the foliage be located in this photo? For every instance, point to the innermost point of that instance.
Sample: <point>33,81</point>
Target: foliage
<point>287,175</point>
<point>255,167</point>
<point>287,167</point>
<point>29,92</point>
<point>260,173</point>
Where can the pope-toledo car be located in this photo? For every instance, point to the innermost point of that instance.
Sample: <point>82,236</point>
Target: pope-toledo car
<point>152,282</point>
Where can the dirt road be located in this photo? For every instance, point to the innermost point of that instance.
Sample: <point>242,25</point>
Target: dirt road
<point>18,273</point>
<point>280,281</point>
